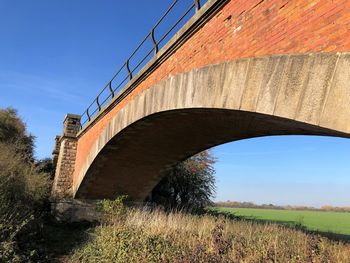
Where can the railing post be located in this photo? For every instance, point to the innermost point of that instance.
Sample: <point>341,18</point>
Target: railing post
<point>110,88</point>
<point>98,104</point>
<point>88,115</point>
<point>154,42</point>
<point>198,4</point>
<point>128,68</point>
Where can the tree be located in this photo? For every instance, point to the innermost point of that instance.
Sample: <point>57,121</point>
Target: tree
<point>24,187</point>
<point>46,166</point>
<point>13,131</point>
<point>21,177</point>
<point>189,185</point>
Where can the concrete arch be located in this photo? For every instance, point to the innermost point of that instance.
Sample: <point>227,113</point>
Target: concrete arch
<point>189,112</point>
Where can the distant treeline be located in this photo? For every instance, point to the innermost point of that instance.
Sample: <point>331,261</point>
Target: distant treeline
<point>288,207</point>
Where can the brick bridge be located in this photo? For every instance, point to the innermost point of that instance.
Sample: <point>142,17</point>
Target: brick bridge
<point>236,69</point>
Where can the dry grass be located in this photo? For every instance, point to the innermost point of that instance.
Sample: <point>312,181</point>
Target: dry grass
<point>143,236</point>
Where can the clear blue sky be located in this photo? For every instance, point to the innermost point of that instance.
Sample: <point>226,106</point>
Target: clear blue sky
<point>56,55</point>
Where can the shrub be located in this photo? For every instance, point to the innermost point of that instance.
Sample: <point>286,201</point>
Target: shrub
<point>189,185</point>
<point>23,192</point>
<point>113,210</point>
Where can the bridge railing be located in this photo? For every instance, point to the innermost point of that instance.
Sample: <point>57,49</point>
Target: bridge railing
<point>151,43</point>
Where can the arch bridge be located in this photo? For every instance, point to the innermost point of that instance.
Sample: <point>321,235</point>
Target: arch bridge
<point>236,69</point>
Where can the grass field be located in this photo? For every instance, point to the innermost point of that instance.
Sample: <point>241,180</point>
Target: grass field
<point>334,222</point>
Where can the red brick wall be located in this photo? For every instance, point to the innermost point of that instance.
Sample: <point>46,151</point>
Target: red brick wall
<point>247,28</point>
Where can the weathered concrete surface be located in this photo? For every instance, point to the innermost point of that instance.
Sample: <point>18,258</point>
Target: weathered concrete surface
<point>74,210</point>
<point>190,112</point>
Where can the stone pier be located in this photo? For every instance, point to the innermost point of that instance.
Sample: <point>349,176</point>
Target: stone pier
<point>64,157</point>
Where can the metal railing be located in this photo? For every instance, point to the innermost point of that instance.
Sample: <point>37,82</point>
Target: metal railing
<point>126,72</point>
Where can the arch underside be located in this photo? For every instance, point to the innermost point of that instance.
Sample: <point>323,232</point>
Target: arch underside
<point>133,162</point>
<point>306,94</point>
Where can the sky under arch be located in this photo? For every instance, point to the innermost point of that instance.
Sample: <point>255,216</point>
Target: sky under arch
<point>295,170</point>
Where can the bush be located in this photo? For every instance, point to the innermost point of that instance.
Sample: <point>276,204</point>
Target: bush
<point>189,186</point>
<point>113,210</point>
<point>24,189</point>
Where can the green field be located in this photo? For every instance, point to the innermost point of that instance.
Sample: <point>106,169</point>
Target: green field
<point>334,222</point>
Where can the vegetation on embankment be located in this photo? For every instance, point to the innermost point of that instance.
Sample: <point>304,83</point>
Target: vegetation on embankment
<point>333,222</point>
<point>141,235</point>
<point>24,191</point>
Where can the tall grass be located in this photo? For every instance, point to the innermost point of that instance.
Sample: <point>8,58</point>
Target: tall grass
<point>140,235</point>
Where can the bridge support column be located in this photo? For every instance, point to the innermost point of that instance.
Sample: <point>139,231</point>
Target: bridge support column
<point>56,150</point>
<point>65,157</point>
